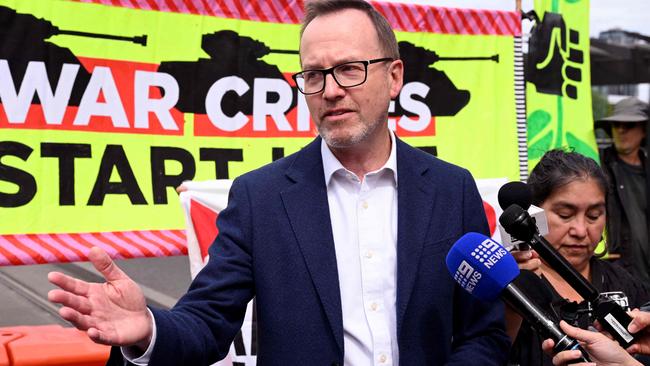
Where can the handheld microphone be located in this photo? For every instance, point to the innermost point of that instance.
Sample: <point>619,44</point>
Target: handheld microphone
<point>485,269</point>
<point>518,223</point>
<point>519,193</point>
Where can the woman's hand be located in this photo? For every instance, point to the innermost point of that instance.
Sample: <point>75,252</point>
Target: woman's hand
<point>640,326</point>
<point>603,351</point>
<point>529,260</point>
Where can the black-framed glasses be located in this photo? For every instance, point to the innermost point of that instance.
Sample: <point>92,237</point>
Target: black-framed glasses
<point>346,75</point>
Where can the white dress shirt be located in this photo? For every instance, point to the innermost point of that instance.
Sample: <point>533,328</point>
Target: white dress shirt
<point>364,227</point>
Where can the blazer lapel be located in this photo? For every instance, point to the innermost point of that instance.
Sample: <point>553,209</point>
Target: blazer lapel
<point>415,209</point>
<point>308,211</point>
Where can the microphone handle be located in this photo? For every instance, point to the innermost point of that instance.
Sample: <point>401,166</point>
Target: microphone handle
<point>610,315</point>
<point>542,323</point>
<point>571,344</point>
<point>564,268</point>
<point>531,313</point>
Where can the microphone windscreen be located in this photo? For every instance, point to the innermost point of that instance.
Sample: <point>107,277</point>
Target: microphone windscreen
<point>481,266</point>
<point>515,193</point>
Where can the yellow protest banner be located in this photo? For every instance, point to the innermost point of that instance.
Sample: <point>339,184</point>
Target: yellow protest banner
<point>104,109</point>
<point>559,82</point>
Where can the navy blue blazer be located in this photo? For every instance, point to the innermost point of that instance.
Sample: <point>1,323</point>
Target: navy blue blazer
<point>275,243</point>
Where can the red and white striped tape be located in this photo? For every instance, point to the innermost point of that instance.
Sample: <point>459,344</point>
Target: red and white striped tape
<point>402,17</point>
<point>53,248</point>
<point>421,18</point>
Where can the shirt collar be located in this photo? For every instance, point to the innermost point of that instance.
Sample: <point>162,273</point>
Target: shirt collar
<point>332,165</point>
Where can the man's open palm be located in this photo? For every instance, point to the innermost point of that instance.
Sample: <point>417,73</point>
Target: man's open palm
<point>113,312</point>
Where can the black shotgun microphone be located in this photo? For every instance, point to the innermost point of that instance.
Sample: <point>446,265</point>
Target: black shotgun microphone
<point>518,223</point>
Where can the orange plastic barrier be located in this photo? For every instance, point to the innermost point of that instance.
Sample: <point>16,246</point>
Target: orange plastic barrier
<point>49,345</point>
<point>5,338</point>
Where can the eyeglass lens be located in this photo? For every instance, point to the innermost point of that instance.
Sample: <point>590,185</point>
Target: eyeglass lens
<point>346,75</point>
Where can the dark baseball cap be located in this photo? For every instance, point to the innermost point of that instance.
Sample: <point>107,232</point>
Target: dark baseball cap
<point>630,110</point>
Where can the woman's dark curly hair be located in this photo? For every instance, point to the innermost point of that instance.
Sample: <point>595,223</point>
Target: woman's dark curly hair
<point>558,168</point>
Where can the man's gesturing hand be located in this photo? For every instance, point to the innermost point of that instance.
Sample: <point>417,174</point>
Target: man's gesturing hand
<point>113,312</point>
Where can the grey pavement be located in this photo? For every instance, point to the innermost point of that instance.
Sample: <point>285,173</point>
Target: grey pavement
<point>23,289</point>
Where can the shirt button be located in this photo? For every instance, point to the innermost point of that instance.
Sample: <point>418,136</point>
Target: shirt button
<point>382,358</point>
<point>364,204</point>
<point>373,307</point>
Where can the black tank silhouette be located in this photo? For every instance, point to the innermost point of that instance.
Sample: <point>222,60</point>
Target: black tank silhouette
<point>23,38</point>
<point>230,55</point>
<point>444,98</point>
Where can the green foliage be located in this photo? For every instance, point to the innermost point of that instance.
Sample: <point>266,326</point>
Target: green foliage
<point>537,121</point>
<point>540,138</point>
<point>580,146</point>
<point>540,147</point>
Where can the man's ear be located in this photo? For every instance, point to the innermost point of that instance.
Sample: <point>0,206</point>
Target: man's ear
<point>396,75</point>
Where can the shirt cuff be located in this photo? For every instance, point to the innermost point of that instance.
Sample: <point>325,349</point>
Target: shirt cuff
<point>131,353</point>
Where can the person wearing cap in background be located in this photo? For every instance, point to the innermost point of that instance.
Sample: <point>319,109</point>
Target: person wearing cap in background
<point>627,201</point>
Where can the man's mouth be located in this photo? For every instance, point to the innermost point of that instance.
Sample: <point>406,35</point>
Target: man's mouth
<point>336,113</point>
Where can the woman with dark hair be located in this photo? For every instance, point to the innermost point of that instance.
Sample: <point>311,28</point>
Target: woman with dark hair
<point>571,189</point>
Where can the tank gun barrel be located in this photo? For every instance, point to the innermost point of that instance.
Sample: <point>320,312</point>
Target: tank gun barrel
<point>494,58</point>
<point>142,40</point>
<point>287,52</point>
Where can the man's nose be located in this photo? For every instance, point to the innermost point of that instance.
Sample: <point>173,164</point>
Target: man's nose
<point>332,88</point>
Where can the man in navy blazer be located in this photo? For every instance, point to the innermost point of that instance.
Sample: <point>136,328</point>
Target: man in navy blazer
<point>343,244</point>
